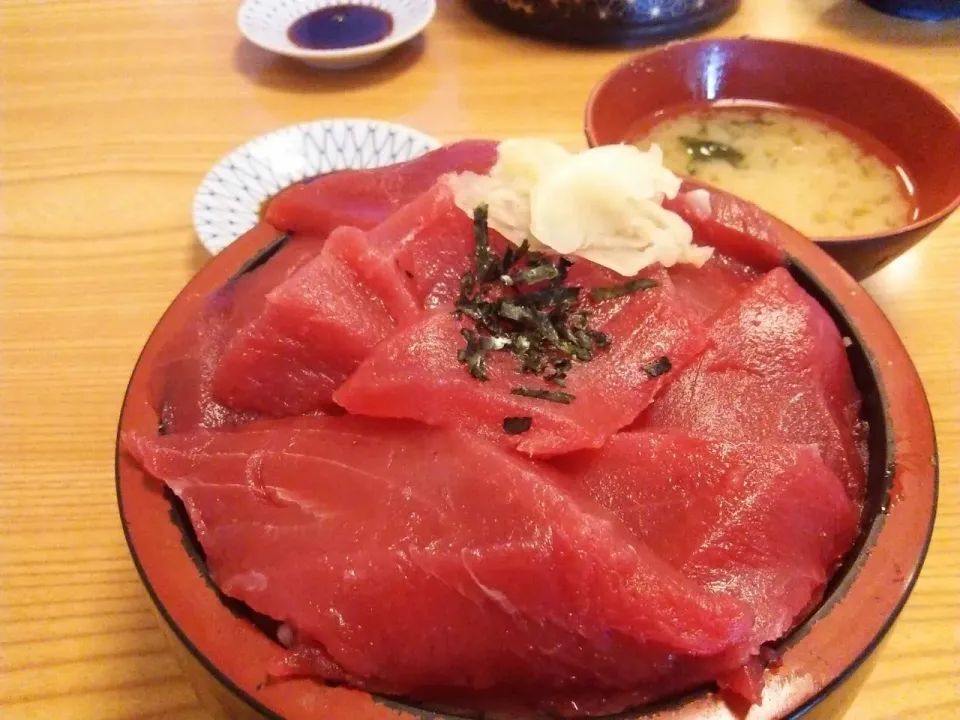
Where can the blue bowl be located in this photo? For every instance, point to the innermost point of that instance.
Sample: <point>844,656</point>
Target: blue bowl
<point>602,22</point>
<point>927,10</point>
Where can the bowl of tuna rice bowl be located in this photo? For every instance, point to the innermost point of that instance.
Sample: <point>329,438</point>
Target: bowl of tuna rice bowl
<point>510,431</point>
<point>850,153</point>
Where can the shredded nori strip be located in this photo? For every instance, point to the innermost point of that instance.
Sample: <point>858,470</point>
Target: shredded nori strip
<point>529,311</point>
<point>535,274</point>
<point>533,362</point>
<point>658,368</point>
<point>558,375</point>
<point>601,339</point>
<point>517,313</point>
<point>703,150</point>
<point>487,262</point>
<point>549,296</point>
<point>494,342</point>
<point>516,425</point>
<point>467,285</point>
<point>615,291</point>
<point>510,258</point>
<point>557,396</point>
<point>473,354</point>
<point>535,257</point>
<point>563,265</point>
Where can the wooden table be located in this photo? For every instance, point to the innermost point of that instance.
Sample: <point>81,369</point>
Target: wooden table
<point>110,113</point>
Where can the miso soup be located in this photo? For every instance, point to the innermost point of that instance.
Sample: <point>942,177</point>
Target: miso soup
<point>805,172</point>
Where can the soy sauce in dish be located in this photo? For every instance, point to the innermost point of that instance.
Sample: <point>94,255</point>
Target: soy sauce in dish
<point>340,27</point>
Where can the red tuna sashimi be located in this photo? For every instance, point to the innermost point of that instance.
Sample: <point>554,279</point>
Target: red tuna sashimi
<point>777,371</point>
<point>424,561</point>
<point>184,396</point>
<point>278,360</point>
<point>250,290</point>
<point>765,523</point>
<point>183,373</point>
<point>416,374</point>
<point>709,290</point>
<point>736,228</point>
<point>364,198</point>
<point>314,329</point>
<point>432,241</point>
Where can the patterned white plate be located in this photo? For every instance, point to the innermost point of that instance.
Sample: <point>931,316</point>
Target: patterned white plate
<point>227,203</point>
<point>267,23</point>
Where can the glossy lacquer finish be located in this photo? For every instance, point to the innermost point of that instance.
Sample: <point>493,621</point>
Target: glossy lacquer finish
<point>603,22</point>
<point>111,114</point>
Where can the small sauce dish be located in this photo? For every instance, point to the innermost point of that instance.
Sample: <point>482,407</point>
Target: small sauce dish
<point>333,34</point>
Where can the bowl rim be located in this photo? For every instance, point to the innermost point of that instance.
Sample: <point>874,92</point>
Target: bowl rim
<point>911,457</point>
<point>590,113</point>
<point>394,39</point>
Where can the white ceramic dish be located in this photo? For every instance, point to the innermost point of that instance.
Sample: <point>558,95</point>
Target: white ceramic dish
<point>266,23</point>
<point>227,203</point>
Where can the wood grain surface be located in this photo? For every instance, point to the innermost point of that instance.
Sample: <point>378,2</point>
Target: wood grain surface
<point>110,113</point>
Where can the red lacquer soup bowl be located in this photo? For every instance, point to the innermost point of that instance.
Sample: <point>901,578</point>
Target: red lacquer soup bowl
<point>889,115</point>
<point>226,648</point>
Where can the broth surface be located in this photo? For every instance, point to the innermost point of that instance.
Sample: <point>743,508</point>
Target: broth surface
<point>800,169</point>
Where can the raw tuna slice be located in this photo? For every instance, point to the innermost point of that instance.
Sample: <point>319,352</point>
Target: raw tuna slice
<point>432,241</point>
<point>184,396</point>
<point>709,290</point>
<point>364,198</point>
<point>181,377</point>
<point>765,523</point>
<point>416,374</point>
<point>251,289</point>
<point>778,371</point>
<point>183,373</point>
<point>420,561</point>
<point>314,329</point>
<point>736,228</point>
<point>436,246</point>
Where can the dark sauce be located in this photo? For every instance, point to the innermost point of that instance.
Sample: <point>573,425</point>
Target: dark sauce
<point>340,27</point>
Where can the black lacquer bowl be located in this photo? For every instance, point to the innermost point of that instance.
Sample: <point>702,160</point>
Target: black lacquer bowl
<point>605,22</point>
